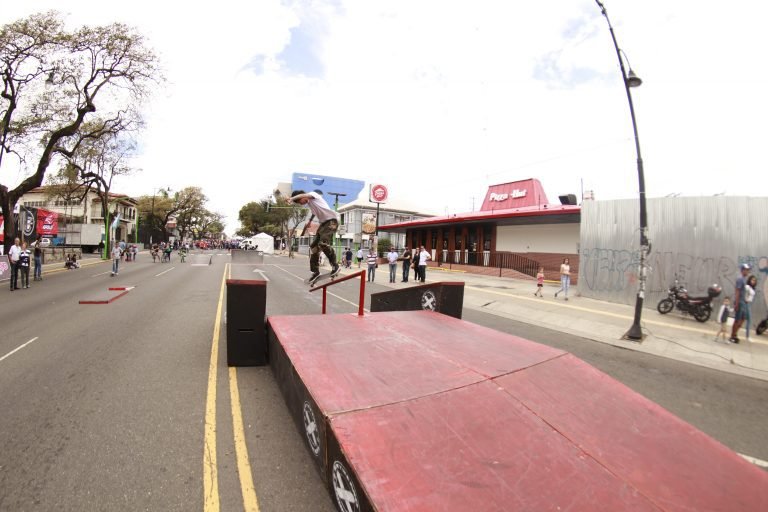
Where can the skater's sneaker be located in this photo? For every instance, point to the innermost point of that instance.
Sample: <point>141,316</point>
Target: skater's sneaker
<point>313,277</point>
<point>335,271</point>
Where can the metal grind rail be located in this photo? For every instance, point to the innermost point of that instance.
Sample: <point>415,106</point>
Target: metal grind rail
<point>338,280</point>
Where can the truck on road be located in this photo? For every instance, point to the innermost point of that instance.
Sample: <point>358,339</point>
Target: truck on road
<point>87,236</point>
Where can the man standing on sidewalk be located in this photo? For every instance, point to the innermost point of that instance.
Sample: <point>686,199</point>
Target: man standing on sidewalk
<point>739,301</point>
<point>372,263</point>
<point>406,263</point>
<point>424,256</point>
<point>392,258</point>
<point>13,260</point>
<point>38,253</point>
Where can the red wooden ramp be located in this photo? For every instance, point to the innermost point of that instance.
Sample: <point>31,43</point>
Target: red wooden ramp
<point>421,411</point>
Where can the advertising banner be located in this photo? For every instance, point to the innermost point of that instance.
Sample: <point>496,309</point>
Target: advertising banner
<point>28,223</point>
<point>369,223</point>
<point>47,223</point>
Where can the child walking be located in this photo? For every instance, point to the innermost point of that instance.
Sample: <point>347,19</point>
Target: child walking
<point>539,282</point>
<point>722,319</point>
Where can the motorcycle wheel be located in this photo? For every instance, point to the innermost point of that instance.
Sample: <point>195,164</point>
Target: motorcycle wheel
<point>665,306</point>
<point>762,326</point>
<point>702,313</point>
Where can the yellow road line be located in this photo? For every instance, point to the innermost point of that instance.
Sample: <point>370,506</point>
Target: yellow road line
<point>211,501</point>
<point>250,501</point>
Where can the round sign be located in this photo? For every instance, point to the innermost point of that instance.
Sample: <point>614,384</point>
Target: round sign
<point>379,193</point>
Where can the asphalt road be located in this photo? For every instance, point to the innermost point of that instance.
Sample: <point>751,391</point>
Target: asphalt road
<point>114,407</point>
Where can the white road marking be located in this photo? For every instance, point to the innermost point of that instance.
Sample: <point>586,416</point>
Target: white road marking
<point>264,277</point>
<point>102,274</point>
<point>199,265</point>
<point>9,354</point>
<point>164,272</point>
<point>329,293</point>
<point>756,462</point>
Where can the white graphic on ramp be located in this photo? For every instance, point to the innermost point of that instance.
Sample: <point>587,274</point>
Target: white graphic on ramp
<point>344,489</point>
<point>428,301</point>
<point>310,427</point>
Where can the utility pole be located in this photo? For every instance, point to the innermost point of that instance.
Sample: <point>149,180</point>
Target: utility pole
<point>336,196</point>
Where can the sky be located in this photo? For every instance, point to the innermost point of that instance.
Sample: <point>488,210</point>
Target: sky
<point>439,99</point>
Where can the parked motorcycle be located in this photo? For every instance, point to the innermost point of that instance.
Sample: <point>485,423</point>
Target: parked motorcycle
<point>678,298</point>
<point>762,326</point>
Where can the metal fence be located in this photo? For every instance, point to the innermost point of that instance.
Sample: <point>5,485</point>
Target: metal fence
<point>491,259</point>
<point>699,240</point>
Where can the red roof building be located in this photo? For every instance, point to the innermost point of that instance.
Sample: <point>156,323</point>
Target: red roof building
<point>516,230</point>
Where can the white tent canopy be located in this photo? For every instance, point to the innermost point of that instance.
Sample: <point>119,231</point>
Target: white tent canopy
<point>265,242</point>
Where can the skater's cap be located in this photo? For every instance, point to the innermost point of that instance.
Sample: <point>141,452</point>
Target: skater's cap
<point>745,266</point>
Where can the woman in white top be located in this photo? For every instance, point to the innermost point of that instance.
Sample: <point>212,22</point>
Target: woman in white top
<point>749,297</point>
<point>565,278</point>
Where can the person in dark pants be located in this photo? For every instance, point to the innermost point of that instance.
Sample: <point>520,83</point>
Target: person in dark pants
<point>406,263</point>
<point>38,252</point>
<point>348,257</point>
<point>24,263</point>
<point>415,264</point>
<point>739,300</point>
<point>423,258</point>
<point>13,260</point>
<point>329,223</point>
<point>372,263</point>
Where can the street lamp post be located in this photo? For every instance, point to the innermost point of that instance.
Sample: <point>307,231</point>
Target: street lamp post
<point>635,332</point>
<point>152,223</point>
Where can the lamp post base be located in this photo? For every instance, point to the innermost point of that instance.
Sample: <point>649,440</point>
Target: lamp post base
<point>635,333</point>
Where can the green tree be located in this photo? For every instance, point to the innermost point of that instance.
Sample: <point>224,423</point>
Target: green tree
<point>382,246</point>
<point>98,160</point>
<point>53,82</point>
<point>158,209</point>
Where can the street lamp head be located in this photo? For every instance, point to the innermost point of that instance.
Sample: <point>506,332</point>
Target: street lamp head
<point>633,80</point>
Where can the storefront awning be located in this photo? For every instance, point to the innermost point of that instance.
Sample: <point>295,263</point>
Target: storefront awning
<point>541,214</point>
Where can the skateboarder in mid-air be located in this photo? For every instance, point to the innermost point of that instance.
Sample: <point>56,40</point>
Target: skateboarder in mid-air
<point>329,223</point>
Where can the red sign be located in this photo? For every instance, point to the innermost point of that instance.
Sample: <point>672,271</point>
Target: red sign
<point>47,223</point>
<point>379,193</point>
<point>517,194</point>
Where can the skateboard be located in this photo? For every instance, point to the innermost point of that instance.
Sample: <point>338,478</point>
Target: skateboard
<point>320,278</point>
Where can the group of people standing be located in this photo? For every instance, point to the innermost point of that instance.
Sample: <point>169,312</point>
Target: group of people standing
<point>20,260</point>
<point>410,260</point>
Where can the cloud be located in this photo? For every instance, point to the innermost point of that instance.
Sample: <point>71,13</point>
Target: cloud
<point>302,55</point>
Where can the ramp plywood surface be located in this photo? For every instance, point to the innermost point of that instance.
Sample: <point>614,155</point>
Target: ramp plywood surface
<point>420,411</point>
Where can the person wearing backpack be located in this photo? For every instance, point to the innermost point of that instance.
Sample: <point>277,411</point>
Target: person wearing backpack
<point>722,319</point>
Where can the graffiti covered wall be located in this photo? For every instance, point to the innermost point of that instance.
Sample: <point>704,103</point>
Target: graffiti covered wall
<point>699,240</point>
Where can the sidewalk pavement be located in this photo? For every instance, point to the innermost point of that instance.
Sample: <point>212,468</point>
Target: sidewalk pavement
<point>673,336</point>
